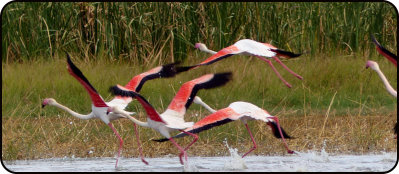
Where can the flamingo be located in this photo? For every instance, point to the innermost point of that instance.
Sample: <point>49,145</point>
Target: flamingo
<point>99,106</point>
<point>374,66</point>
<point>173,118</point>
<point>251,48</point>
<point>240,110</point>
<point>390,56</point>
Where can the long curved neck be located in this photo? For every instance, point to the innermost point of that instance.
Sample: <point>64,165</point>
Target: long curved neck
<point>140,123</point>
<point>209,51</point>
<point>386,83</point>
<point>73,113</point>
<point>197,100</point>
<point>203,48</point>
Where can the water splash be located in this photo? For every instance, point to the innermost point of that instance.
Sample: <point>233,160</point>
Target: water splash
<point>235,161</point>
<point>190,167</point>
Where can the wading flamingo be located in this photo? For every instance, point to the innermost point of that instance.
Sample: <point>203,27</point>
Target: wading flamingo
<point>242,111</point>
<point>173,118</point>
<point>390,56</point>
<point>99,107</point>
<point>251,48</point>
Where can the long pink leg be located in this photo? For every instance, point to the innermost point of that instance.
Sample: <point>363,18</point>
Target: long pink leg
<point>274,69</point>
<point>281,134</point>
<point>181,150</point>
<point>138,143</point>
<point>195,138</point>
<point>289,70</point>
<point>120,143</point>
<point>253,141</point>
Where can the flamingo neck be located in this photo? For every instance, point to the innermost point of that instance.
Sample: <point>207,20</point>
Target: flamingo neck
<point>73,113</point>
<point>140,123</point>
<point>386,83</point>
<point>205,49</point>
<point>197,100</point>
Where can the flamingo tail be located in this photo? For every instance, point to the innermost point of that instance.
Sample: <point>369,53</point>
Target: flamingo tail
<point>275,131</point>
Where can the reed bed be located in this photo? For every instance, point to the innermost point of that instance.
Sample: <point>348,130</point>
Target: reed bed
<point>153,32</point>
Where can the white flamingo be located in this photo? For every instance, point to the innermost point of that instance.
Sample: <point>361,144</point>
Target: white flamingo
<point>99,106</point>
<point>173,118</point>
<point>251,48</point>
<point>242,111</point>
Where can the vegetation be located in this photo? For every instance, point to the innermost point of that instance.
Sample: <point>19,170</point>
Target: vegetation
<point>338,102</point>
<point>166,31</point>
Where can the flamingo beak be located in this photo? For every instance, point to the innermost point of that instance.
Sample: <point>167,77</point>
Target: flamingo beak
<point>109,110</point>
<point>43,105</point>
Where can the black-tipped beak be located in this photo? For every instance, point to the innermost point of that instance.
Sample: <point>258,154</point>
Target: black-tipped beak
<point>107,112</point>
<point>43,105</point>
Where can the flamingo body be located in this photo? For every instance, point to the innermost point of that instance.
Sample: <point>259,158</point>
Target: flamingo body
<point>251,48</point>
<point>242,111</point>
<point>173,118</point>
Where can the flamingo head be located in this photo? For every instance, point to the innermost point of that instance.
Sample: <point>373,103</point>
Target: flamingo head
<point>201,46</point>
<point>373,65</point>
<point>48,101</point>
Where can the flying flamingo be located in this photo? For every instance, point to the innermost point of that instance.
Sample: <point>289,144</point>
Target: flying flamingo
<point>242,111</point>
<point>390,56</point>
<point>173,118</point>
<point>251,48</point>
<point>99,107</point>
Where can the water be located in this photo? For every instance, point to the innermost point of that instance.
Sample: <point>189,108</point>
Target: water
<point>302,162</point>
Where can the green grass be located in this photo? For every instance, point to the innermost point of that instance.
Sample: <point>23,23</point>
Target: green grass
<point>359,90</point>
<point>157,31</point>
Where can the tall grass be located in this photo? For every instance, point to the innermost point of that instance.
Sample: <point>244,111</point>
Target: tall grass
<point>152,32</point>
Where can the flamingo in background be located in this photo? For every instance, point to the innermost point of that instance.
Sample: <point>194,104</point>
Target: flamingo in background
<point>173,118</point>
<point>390,56</point>
<point>251,48</point>
<point>99,107</point>
<point>242,111</point>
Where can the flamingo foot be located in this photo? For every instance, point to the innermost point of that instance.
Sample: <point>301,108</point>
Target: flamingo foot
<point>291,152</point>
<point>144,161</point>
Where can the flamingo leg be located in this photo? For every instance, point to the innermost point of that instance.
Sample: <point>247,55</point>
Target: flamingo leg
<point>138,143</point>
<point>181,150</point>
<point>274,69</point>
<point>281,134</point>
<point>253,141</point>
<point>285,67</point>
<point>195,139</point>
<point>120,143</point>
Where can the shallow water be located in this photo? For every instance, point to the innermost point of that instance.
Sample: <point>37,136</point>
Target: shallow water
<point>301,162</point>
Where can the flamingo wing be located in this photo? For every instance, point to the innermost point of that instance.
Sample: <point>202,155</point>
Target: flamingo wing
<point>223,53</point>
<point>217,118</point>
<point>185,96</point>
<point>75,72</point>
<point>390,56</point>
<point>137,82</point>
<point>151,112</point>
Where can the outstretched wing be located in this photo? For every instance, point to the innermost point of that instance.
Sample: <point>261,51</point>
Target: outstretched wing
<point>137,82</point>
<point>75,72</point>
<point>151,112</point>
<point>390,56</point>
<point>218,118</point>
<point>223,53</point>
<point>185,96</point>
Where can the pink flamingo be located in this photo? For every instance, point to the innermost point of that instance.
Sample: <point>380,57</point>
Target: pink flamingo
<point>373,65</point>
<point>99,107</point>
<point>173,118</point>
<point>251,48</point>
<point>390,56</point>
<point>242,111</point>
